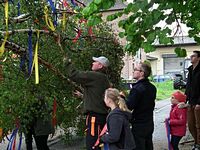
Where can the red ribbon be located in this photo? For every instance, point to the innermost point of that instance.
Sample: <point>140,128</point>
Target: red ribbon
<point>77,36</point>
<point>102,133</point>
<point>80,31</point>
<point>65,3</point>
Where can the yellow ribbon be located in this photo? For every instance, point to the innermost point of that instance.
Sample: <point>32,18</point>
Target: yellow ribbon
<point>64,21</point>
<point>48,20</point>
<point>35,61</point>
<point>2,48</point>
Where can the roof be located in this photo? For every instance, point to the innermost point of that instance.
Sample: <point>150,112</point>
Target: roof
<point>178,40</point>
<point>151,58</point>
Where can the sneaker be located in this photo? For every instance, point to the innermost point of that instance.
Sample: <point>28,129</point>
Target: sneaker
<point>193,147</point>
<point>196,147</point>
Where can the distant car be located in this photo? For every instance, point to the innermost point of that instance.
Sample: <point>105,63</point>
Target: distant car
<point>180,79</point>
<point>161,78</point>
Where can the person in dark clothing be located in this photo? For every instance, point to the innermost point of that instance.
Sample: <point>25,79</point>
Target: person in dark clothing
<point>193,98</point>
<point>119,134</point>
<point>141,100</point>
<point>95,83</point>
<point>40,127</point>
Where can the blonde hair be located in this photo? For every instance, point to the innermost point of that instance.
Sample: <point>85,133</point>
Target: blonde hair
<point>114,95</point>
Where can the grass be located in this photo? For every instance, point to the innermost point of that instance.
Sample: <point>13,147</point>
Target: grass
<point>164,89</point>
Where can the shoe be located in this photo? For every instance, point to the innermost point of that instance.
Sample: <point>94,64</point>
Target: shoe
<point>196,147</point>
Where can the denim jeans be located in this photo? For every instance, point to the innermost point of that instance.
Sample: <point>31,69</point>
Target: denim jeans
<point>194,122</point>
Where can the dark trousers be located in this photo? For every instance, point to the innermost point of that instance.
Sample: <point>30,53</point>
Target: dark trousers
<point>94,124</point>
<point>175,141</point>
<point>142,133</point>
<point>41,141</point>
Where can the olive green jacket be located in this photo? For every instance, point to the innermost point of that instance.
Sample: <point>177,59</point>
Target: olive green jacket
<point>94,83</point>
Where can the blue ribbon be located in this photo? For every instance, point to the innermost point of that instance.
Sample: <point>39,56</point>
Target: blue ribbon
<point>11,1</point>
<point>22,61</point>
<point>54,12</point>
<point>18,8</point>
<point>20,141</point>
<point>73,2</point>
<point>106,146</point>
<point>30,51</point>
<point>55,20</point>
<point>168,133</point>
<point>52,6</point>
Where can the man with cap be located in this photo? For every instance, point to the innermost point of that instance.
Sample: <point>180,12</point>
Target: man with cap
<point>95,83</point>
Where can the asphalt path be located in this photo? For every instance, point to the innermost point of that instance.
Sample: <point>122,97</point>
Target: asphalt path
<point>161,112</point>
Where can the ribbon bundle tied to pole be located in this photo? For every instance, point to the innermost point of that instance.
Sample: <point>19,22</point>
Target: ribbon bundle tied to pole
<point>12,140</point>
<point>48,20</point>
<point>30,52</point>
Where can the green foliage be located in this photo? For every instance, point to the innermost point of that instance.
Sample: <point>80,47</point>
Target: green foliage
<point>140,25</point>
<point>19,92</point>
<point>181,52</point>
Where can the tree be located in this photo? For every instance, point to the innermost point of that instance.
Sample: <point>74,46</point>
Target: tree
<point>141,25</point>
<point>30,26</point>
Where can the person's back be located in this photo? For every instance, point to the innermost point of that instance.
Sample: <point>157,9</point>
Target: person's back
<point>118,121</point>
<point>146,94</point>
<point>119,134</point>
<point>95,83</point>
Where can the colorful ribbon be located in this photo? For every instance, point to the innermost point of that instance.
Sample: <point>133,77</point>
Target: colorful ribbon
<point>167,126</point>
<point>65,4</point>
<point>104,130</point>
<point>12,140</point>
<point>18,8</point>
<point>80,31</point>
<point>73,3</point>
<point>35,61</point>
<point>64,21</point>
<point>2,48</point>
<point>30,52</point>
<point>54,11</point>
<point>48,20</point>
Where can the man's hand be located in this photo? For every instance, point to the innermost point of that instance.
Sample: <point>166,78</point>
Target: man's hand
<point>182,105</point>
<point>197,107</point>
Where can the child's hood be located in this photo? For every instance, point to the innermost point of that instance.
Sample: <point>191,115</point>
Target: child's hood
<point>118,111</point>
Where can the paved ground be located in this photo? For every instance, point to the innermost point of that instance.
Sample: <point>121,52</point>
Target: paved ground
<point>159,137</point>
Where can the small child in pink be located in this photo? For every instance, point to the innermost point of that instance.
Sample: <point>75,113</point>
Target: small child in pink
<point>177,118</point>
